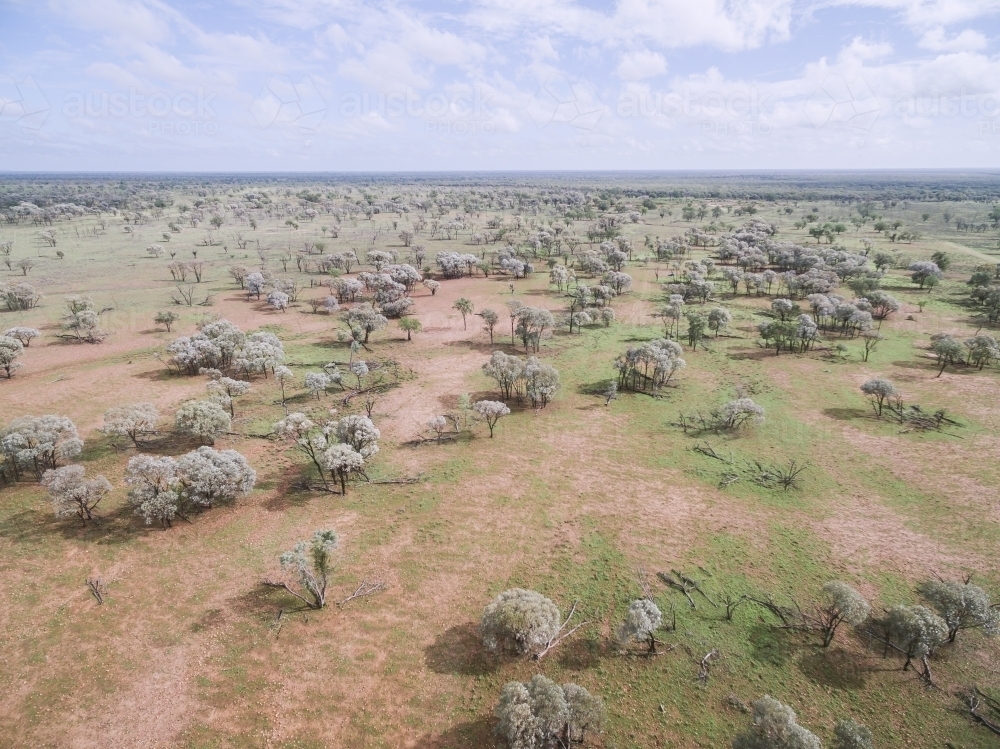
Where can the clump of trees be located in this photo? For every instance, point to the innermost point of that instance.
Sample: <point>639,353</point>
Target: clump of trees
<point>162,488</point>
<point>19,296</point>
<point>82,324</point>
<point>540,714</point>
<point>649,367</point>
<point>518,378</point>
<point>338,449</point>
<point>35,444</point>
<point>222,346</point>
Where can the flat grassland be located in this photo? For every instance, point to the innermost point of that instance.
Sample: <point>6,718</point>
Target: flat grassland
<point>578,500</point>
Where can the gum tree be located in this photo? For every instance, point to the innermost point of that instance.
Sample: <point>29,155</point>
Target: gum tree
<point>491,412</point>
<point>519,621</point>
<point>311,562</point>
<point>775,726</point>
<point>72,494</point>
<point>641,622</point>
<point>202,419</point>
<point>135,421</point>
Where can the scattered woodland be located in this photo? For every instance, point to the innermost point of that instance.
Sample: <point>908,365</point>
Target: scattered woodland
<point>520,461</point>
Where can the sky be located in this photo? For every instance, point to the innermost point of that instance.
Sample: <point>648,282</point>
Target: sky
<point>339,85</point>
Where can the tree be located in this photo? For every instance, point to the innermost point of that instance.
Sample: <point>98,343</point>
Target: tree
<point>941,260</point>
<point>311,561</point>
<point>784,308</point>
<point>308,437</point>
<point>410,325</point>
<point>202,419</point>
<point>962,606</point>
<point>870,340</point>
<point>10,350</point>
<point>641,622</point>
<point>317,383</point>
<point>697,323</point>
<point>285,377</point>
<point>166,319</point>
<point>24,335</point>
<point>154,488</point>
<point>359,432</point>
<point>342,460</point>
<point>879,390</point>
<point>38,443</point>
<point>206,476</point>
<point>25,265</point>
<point>431,285</point>
<point>850,735</point>
<point>83,323</point>
<point>947,351</point>
<point>740,412</point>
<point>923,271</point>
<point>490,320</point>
<point>464,307</point>
<point>491,411</point>
<point>915,631</point>
<point>71,494</point>
<point>278,300</point>
<point>843,604</point>
<point>719,319</point>
<point>541,382</point>
<point>365,318</point>
<point>225,390</point>
<point>519,621</point>
<point>540,714</point>
<point>775,726</point>
<point>983,350</point>
<point>135,421</point>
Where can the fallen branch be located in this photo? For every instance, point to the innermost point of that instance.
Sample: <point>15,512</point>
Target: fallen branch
<point>284,586</point>
<point>97,589</point>
<point>706,664</point>
<point>677,585</point>
<point>694,584</point>
<point>556,639</point>
<point>366,588</point>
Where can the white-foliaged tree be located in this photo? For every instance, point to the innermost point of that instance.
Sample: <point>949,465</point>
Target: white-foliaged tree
<point>72,494</point>
<point>491,412</point>
<point>342,461</point>
<point>850,735</point>
<point>154,491</point>
<point>202,419</point>
<point>38,443</point>
<point>641,622</point>
<point>962,605</point>
<point>10,351</point>
<point>135,421</point>
<point>207,477</point>
<point>519,621</point>
<point>540,714</point>
<point>23,334</point>
<point>775,726</point>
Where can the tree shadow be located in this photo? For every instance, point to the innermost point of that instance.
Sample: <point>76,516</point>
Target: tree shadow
<point>846,414</point>
<point>156,375</point>
<point>753,355</point>
<point>771,646</point>
<point>171,443</point>
<point>833,667</point>
<point>458,650</point>
<point>478,733</point>
<point>291,489</point>
<point>580,655</point>
<point>30,526</point>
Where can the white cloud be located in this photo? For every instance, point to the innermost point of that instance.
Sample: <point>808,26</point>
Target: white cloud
<point>966,41</point>
<point>642,64</point>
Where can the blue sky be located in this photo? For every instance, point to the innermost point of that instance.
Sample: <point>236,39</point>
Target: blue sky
<point>498,84</point>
